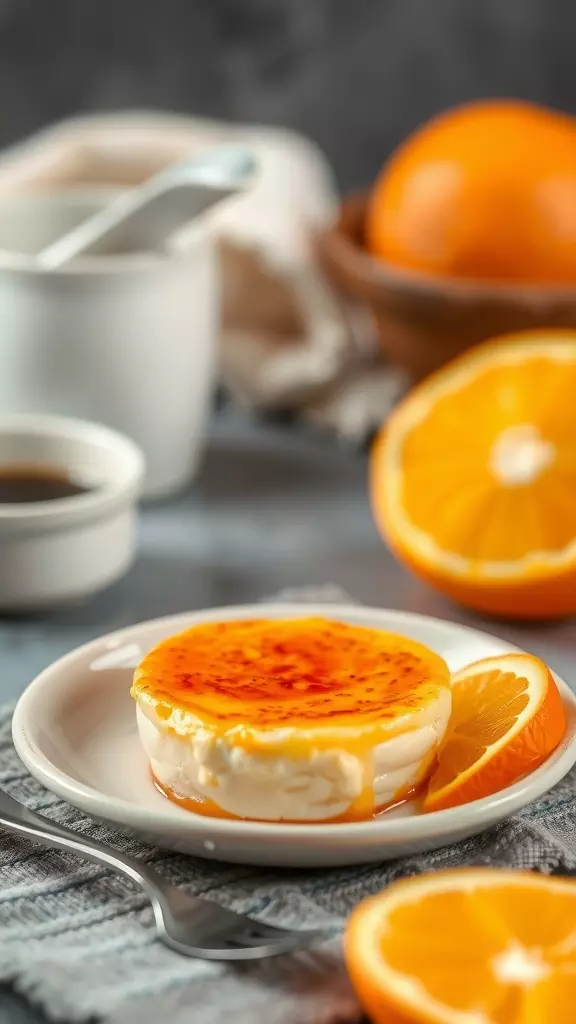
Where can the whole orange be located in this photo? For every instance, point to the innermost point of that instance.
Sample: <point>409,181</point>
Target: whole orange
<point>487,191</point>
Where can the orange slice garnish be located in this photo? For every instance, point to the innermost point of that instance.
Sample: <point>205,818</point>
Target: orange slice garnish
<point>473,477</point>
<point>507,717</point>
<point>466,947</point>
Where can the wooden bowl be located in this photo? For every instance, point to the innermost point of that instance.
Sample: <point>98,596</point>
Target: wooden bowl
<point>424,321</point>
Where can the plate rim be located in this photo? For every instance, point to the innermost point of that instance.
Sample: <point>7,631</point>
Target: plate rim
<point>392,830</point>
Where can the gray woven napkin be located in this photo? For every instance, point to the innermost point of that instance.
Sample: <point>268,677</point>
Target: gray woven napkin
<point>79,940</point>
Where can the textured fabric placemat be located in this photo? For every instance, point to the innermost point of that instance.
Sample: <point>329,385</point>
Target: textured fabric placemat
<point>79,940</point>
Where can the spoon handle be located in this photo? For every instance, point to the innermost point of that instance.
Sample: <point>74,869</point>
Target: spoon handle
<point>142,218</point>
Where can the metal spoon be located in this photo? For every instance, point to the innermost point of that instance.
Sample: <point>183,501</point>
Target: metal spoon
<point>143,218</point>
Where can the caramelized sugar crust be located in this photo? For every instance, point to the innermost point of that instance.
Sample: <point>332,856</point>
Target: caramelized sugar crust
<point>306,672</point>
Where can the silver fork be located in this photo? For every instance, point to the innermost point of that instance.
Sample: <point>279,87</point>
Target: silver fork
<point>191,926</point>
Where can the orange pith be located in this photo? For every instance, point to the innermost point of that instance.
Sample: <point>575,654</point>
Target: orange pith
<point>507,718</point>
<point>473,477</point>
<point>290,688</point>
<point>466,947</point>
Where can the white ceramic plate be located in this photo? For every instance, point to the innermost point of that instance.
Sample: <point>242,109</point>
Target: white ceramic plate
<point>74,728</point>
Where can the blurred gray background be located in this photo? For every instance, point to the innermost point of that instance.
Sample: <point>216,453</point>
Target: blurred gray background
<point>355,75</point>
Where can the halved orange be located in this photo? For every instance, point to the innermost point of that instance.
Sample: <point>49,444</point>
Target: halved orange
<point>466,947</point>
<point>473,479</point>
<point>507,717</point>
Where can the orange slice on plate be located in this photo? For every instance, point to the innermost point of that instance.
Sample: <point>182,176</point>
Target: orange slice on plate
<point>466,947</point>
<point>473,478</point>
<point>507,717</point>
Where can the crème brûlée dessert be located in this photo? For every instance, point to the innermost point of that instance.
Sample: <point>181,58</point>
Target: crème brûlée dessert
<point>297,720</point>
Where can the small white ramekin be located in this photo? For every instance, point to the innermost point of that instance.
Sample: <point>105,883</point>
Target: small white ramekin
<point>58,551</point>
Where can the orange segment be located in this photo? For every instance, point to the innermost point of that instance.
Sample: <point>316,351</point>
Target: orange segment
<point>507,717</point>
<point>466,947</point>
<point>473,479</point>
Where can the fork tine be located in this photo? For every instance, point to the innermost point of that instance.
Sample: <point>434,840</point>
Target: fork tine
<point>277,937</point>
<point>295,942</point>
<point>260,930</point>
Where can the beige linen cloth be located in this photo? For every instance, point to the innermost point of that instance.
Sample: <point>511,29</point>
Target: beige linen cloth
<point>288,342</point>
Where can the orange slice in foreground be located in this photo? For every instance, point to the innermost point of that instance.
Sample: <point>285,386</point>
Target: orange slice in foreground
<point>467,947</point>
<point>473,478</point>
<point>507,717</point>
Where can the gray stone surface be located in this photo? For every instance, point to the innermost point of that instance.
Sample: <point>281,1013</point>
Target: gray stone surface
<point>271,509</point>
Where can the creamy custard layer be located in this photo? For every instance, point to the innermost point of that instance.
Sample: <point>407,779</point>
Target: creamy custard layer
<point>299,720</point>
